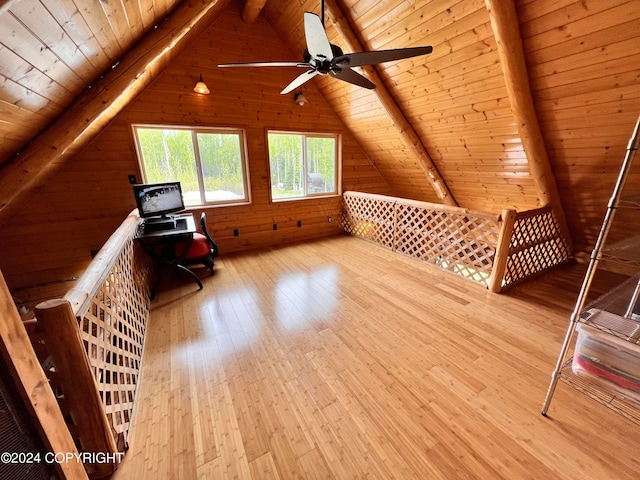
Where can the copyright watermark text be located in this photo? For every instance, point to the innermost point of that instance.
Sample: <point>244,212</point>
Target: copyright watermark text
<point>60,457</point>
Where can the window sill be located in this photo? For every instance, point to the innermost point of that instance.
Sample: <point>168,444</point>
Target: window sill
<point>310,197</point>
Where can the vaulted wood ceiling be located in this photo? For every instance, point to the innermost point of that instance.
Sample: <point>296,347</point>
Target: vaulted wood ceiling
<point>52,51</point>
<point>68,66</point>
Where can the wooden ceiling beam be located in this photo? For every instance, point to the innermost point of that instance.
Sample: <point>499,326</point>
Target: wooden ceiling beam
<point>252,9</point>
<point>506,30</point>
<point>98,105</point>
<point>405,129</point>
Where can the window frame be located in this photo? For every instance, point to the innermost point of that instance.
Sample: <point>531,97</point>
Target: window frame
<point>195,130</point>
<point>337,165</point>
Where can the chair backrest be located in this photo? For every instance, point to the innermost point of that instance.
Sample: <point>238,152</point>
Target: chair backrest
<point>203,225</point>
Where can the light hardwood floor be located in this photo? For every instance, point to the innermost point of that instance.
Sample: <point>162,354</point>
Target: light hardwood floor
<point>339,359</point>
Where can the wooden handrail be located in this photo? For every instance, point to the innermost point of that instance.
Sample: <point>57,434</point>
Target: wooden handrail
<point>95,335</point>
<point>94,276</point>
<point>533,212</point>
<point>426,205</point>
<point>537,235</point>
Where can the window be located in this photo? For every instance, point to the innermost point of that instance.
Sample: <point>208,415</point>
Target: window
<point>209,163</point>
<point>303,165</point>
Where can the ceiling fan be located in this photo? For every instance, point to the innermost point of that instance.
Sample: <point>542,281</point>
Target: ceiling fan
<point>322,58</point>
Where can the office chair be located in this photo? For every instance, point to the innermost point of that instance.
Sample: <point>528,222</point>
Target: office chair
<point>203,248</point>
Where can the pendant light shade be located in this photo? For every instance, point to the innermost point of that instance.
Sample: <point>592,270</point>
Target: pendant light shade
<point>201,87</point>
<point>300,99</point>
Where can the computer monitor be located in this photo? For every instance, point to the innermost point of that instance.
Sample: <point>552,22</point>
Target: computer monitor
<point>158,199</point>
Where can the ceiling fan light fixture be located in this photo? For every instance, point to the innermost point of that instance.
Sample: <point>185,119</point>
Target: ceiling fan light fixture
<point>300,99</point>
<point>201,87</point>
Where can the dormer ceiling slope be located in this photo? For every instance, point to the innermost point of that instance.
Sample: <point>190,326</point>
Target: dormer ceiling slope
<point>52,51</point>
<point>74,116</point>
<point>447,114</point>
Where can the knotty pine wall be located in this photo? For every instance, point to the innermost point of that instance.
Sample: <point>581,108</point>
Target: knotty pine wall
<point>582,58</point>
<point>51,238</point>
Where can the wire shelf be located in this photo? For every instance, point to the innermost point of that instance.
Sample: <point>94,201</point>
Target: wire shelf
<point>613,313</point>
<point>631,201</point>
<point>626,251</point>
<point>602,392</point>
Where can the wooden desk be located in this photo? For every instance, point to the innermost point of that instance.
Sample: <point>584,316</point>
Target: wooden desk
<point>161,246</point>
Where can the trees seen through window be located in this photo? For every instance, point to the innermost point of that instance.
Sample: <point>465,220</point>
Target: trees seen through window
<point>209,163</point>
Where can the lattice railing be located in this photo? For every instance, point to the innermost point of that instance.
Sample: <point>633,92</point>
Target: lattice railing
<point>112,329</point>
<point>492,250</point>
<point>371,217</point>
<point>454,239</point>
<point>537,244</point>
<point>92,344</point>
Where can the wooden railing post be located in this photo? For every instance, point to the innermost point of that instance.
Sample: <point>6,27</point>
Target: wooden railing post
<point>502,251</point>
<point>34,387</point>
<point>90,424</point>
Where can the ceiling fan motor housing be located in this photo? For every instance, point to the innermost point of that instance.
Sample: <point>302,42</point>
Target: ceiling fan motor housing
<point>320,64</point>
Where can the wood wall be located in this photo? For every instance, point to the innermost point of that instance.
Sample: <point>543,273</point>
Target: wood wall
<point>52,236</point>
<point>455,99</point>
<point>584,69</point>
<point>582,58</point>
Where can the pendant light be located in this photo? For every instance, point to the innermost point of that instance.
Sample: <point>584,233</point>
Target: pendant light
<point>201,87</point>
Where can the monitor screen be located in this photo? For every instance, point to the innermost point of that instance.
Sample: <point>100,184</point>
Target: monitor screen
<point>158,199</point>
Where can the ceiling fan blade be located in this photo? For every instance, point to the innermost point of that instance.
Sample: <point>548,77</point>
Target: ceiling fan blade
<point>317,41</point>
<point>361,59</point>
<point>350,76</point>
<point>266,64</point>
<point>299,80</point>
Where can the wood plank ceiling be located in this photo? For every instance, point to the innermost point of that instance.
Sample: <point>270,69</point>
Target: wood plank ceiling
<point>425,87</point>
<point>582,58</point>
<point>53,50</point>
